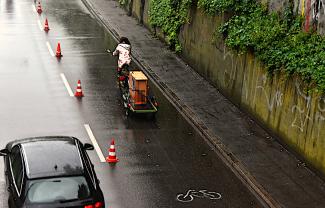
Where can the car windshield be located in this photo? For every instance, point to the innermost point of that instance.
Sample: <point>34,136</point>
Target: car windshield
<point>58,190</point>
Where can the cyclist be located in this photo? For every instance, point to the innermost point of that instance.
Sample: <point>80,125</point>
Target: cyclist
<point>123,50</point>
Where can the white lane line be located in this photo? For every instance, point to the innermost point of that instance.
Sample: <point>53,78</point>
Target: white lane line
<point>96,146</point>
<point>40,25</point>
<point>34,9</point>
<point>50,48</point>
<point>66,83</point>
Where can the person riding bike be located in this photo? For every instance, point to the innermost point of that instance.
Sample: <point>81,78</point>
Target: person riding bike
<point>123,50</point>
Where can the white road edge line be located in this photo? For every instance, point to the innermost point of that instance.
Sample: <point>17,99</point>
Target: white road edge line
<point>96,146</point>
<point>66,83</point>
<point>40,25</point>
<point>50,49</point>
<point>34,9</point>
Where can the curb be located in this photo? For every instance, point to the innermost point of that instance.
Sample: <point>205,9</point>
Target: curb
<point>227,157</point>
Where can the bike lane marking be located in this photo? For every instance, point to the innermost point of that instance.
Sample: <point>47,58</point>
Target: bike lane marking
<point>94,141</point>
<point>66,84</point>
<point>190,194</point>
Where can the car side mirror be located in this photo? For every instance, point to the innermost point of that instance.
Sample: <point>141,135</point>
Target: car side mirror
<point>88,146</point>
<point>4,152</point>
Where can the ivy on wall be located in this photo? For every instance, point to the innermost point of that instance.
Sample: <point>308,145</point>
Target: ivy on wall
<point>123,2</point>
<point>276,39</point>
<point>169,15</point>
<point>214,7</point>
<point>278,42</point>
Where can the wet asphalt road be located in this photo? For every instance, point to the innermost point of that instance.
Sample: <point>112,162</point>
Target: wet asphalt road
<point>159,159</point>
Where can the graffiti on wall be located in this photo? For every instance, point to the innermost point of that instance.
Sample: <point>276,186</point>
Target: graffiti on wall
<point>301,111</point>
<point>231,72</point>
<point>314,10</point>
<point>272,101</point>
<point>320,115</point>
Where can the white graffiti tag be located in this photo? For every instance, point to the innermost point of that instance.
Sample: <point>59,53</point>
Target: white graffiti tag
<point>301,112</point>
<point>272,101</point>
<point>320,118</point>
<point>236,63</point>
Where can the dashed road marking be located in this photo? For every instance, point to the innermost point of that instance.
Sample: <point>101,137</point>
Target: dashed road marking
<point>95,144</point>
<point>40,25</point>
<point>34,9</point>
<point>50,48</point>
<point>66,83</point>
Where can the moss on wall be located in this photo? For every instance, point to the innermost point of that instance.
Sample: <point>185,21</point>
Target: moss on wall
<point>145,13</point>
<point>136,9</point>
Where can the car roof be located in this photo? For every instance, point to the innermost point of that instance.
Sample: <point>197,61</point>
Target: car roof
<point>51,157</point>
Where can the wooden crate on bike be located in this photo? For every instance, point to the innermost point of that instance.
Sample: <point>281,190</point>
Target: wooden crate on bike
<point>138,87</point>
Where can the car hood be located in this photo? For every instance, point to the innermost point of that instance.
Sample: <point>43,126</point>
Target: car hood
<point>75,204</point>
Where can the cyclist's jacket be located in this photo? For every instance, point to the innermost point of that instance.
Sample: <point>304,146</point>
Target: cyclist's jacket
<point>124,52</point>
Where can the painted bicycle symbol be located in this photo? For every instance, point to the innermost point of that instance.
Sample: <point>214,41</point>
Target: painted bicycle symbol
<point>189,196</point>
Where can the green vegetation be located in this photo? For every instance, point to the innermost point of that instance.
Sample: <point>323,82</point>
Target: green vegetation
<point>123,2</point>
<point>213,7</point>
<point>278,42</point>
<point>275,39</point>
<point>169,15</point>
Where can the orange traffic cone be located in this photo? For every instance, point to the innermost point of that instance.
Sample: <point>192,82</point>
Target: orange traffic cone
<point>46,26</point>
<point>111,158</point>
<point>79,91</point>
<point>39,8</point>
<point>58,51</point>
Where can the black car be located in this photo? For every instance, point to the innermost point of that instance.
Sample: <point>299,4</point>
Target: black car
<point>51,171</point>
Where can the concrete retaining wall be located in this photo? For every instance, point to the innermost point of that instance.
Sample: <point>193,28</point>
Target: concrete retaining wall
<point>279,103</point>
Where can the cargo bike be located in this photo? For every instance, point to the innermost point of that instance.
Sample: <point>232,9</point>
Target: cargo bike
<point>137,98</point>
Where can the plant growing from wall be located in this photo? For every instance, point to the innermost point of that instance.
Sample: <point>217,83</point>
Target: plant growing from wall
<point>169,15</point>
<point>214,7</point>
<point>123,2</point>
<point>275,39</point>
